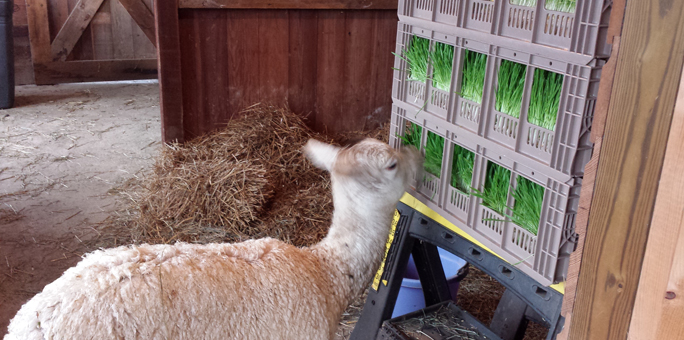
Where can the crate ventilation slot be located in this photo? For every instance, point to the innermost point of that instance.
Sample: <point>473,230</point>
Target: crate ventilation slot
<point>523,240</point>
<point>470,112</point>
<point>425,5</point>
<point>482,11</point>
<point>521,18</point>
<point>449,7</point>
<point>440,99</point>
<point>417,90</point>
<point>459,200</point>
<point>540,139</point>
<point>492,220</point>
<point>558,25</point>
<point>505,125</point>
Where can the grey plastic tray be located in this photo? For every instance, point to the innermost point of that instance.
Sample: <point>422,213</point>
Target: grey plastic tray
<point>543,256</point>
<point>582,32</point>
<point>565,150</point>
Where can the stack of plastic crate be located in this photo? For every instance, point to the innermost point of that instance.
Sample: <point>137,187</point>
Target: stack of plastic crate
<point>570,44</point>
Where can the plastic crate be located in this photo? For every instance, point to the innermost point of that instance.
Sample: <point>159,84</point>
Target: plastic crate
<point>566,149</point>
<point>583,32</point>
<point>543,256</point>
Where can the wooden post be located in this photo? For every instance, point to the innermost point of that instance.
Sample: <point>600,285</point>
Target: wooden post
<point>168,54</point>
<point>648,70</point>
<point>659,307</point>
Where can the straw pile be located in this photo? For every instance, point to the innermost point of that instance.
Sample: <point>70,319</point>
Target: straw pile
<point>249,180</point>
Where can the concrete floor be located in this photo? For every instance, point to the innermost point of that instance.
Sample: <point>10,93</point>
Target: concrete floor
<point>63,151</point>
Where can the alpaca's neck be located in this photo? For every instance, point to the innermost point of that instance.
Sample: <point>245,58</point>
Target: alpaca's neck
<point>356,240</point>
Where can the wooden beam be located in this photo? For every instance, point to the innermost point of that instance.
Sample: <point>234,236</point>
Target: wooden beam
<point>659,307</point>
<point>39,31</point>
<point>95,70</point>
<point>168,59</point>
<point>142,16</point>
<point>290,4</point>
<point>648,70</point>
<point>73,28</point>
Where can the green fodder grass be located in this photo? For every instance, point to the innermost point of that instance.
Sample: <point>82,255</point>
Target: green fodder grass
<point>528,204</point>
<point>511,79</point>
<point>472,82</point>
<point>434,149</point>
<point>528,3</point>
<point>495,193</point>
<point>412,135</point>
<point>567,6</point>
<point>462,169</point>
<point>417,56</point>
<point>545,97</point>
<point>442,64</point>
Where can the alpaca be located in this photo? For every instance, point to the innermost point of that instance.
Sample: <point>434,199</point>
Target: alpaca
<point>257,289</point>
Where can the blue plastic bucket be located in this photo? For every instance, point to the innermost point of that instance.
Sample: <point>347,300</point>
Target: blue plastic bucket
<point>411,297</point>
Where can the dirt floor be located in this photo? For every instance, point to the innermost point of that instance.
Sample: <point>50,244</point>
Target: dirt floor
<point>64,153</point>
<point>63,149</point>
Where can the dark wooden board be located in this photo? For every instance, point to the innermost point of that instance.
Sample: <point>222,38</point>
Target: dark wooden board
<point>289,4</point>
<point>334,66</point>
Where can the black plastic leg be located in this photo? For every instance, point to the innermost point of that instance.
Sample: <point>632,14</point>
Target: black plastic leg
<point>509,320</point>
<point>380,304</point>
<point>431,274</point>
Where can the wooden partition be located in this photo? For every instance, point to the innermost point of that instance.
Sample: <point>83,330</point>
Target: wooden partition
<point>329,60</point>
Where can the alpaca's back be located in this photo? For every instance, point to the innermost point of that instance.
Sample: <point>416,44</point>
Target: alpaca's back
<point>261,289</point>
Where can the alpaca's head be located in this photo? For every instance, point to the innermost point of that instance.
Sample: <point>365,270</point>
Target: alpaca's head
<point>369,169</point>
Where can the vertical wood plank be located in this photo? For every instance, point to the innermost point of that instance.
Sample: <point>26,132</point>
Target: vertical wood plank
<point>142,46</point>
<point>330,81</point>
<point>58,12</point>
<point>303,49</point>
<point>647,73</point>
<point>83,50</point>
<point>273,56</point>
<point>101,26</point>
<point>39,31</point>
<point>169,66</point>
<point>358,70</point>
<point>380,108</point>
<point>243,62</point>
<point>659,307</point>
<point>122,31</point>
<point>302,68</point>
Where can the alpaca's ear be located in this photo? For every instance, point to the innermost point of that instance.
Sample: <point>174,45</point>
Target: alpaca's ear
<point>322,155</point>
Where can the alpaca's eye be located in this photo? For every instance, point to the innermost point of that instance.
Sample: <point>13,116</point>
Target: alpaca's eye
<point>392,167</point>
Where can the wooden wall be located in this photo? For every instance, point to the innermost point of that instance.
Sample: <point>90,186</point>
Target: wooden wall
<point>23,67</point>
<point>333,64</point>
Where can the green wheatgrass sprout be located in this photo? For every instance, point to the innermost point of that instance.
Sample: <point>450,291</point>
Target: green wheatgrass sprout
<point>511,79</point>
<point>496,185</point>
<point>528,3</point>
<point>528,204</point>
<point>434,149</point>
<point>412,135</point>
<point>472,82</point>
<point>442,63</point>
<point>462,169</point>
<point>567,6</point>
<point>546,90</point>
<point>417,57</point>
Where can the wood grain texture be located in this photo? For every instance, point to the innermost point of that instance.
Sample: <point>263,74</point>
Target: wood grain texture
<point>332,66</point>
<point>73,28</point>
<point>39,30</point>
<point>94,70</point>
<point>588,184</point>
<point>647,73</point>
<point>169,65</point>
<point>122,32</point>
<point>289,4</point>
<point>142,15</point>
<point>659,307</point>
